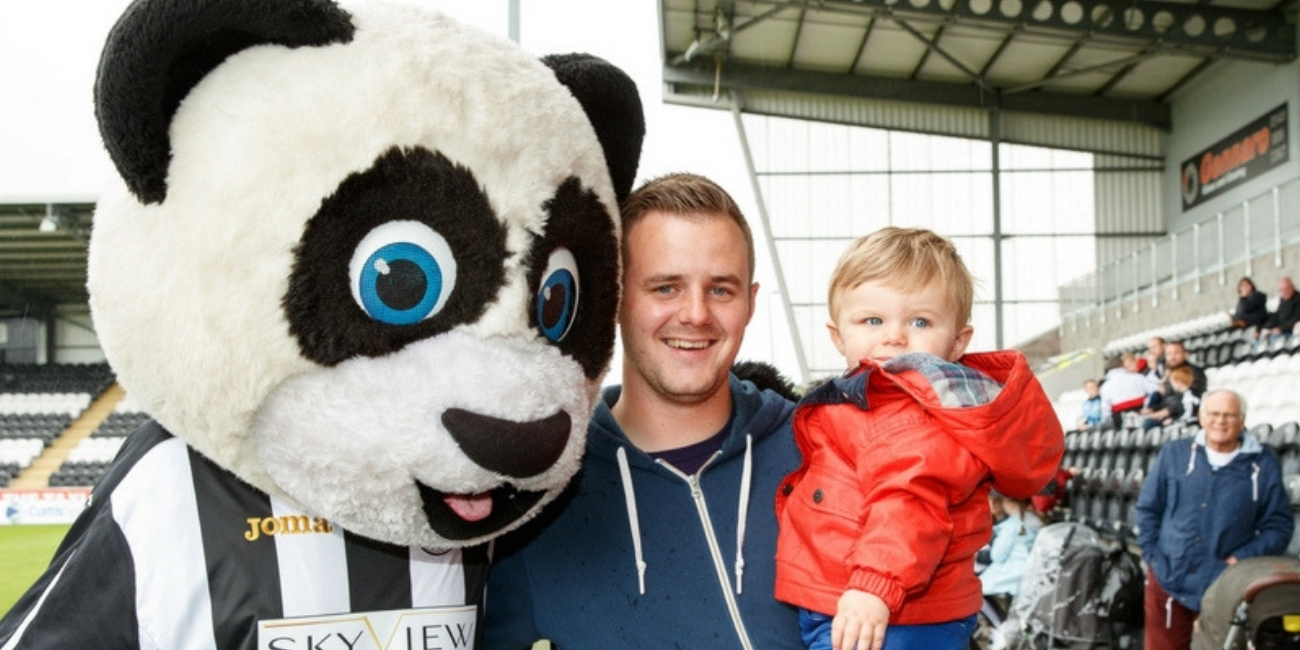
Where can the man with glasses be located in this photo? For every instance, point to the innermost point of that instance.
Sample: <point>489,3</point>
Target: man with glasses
<point>1212,499</point>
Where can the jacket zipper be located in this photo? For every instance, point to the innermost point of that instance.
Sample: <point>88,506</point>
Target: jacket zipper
<point>719,566</point>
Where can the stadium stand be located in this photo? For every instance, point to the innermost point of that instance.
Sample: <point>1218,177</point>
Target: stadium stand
<point>41,379</point>
<point>87,461</point>
<point>46,410</point>
<point>1112,464</point>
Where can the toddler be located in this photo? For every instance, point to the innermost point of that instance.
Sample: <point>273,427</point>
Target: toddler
<point>880,524</point>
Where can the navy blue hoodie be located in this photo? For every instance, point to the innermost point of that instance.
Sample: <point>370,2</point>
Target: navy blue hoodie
<point>571,575</point>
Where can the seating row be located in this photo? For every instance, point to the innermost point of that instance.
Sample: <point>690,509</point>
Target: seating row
<point>119,424</point>
<point>95,450</point>
<point>78,474</point>
<point>1111,467</point>
<point>1182,331</point>
<point>91,378</point>
<point>20,451</point>
<point>69,403</point>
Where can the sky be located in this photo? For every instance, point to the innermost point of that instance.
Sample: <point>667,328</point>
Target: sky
<point>50,149</point>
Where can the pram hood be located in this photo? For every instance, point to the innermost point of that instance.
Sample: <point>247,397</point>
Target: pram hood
<point>1227,591</point>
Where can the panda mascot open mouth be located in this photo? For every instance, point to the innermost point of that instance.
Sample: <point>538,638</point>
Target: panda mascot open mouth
<point>362,271</point>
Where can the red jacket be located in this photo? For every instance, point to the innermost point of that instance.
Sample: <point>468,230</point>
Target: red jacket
<point>893,500</point>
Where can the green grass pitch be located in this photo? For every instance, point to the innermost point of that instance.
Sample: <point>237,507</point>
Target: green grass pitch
<point>25,551</point>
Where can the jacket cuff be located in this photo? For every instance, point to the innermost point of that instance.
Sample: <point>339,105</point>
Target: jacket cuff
<point>880,586</point>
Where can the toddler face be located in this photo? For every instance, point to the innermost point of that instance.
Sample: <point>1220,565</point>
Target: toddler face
<point>879,322</point>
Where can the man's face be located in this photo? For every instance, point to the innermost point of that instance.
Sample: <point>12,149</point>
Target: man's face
<point>1285,288</point>
<point>1222,420</point>
<point>1156,347</point>
<point>687,298</point>
<point>1175,355</point>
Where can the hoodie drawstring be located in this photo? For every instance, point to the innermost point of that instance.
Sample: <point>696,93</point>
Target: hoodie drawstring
<point>1254,482</point>
<point>744,511</point>
<point>1191,460</point>
<point>1169,612</point>
<point>630,497</point>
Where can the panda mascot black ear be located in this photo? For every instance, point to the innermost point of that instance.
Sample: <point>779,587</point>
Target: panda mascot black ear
<point>153,58</point>
<point>361,272</point>
<point>609,98</point>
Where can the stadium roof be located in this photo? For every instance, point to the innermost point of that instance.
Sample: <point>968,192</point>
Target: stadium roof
<point>42,254</point>
<point>1098,59</point>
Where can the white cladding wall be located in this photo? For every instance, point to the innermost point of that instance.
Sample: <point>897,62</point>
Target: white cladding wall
<point>1226,98</point>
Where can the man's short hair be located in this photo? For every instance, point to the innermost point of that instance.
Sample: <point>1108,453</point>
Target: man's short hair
<point>685,195</point>
<point>904,259</point>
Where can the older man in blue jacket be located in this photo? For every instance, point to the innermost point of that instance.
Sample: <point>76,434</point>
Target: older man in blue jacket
<point>1212,499</point>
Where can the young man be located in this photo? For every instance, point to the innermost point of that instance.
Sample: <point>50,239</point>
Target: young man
<point>667,537</point>
<point>1176,357</point>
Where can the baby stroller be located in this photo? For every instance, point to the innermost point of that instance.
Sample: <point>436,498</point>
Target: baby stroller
<point>1254,603</point>
<point>1077,593</point>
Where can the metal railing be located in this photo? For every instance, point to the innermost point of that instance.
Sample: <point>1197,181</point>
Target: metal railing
<point>1264,224</point>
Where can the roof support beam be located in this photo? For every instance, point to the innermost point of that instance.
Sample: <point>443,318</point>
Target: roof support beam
<point>1172,27</point>
<point>734,75</point>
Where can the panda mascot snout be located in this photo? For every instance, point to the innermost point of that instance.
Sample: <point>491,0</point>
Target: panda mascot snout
<point>362,272</point>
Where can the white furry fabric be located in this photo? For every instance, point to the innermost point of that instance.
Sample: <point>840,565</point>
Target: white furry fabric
<point>186,295</point>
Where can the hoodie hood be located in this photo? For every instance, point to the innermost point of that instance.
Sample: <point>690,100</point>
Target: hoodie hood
<point>756,413</point>
<point>994,430</point>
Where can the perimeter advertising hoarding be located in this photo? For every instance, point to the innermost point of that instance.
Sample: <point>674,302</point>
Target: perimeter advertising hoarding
<point>50,506</point>
<point>1248,152</point>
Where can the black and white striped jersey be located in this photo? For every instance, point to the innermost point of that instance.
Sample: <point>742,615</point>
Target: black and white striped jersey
<point>174,552</point>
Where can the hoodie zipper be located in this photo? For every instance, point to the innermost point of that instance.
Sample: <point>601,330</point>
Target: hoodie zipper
<point>719,565</point>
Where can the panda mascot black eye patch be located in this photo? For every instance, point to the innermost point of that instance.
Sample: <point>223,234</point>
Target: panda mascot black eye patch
<point>415,186</point>
<point>361,270</point>
<point>567,312</point>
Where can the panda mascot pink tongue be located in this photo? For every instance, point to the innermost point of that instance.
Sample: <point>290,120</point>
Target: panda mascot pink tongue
<point>362,271</point>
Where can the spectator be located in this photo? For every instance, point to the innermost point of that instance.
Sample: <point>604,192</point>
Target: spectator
<point>1053,495</point>
<point>1153,361</point>
<point>1176,357</point>
<point>1013,538</point>
<point>1090,411</point>
<point>1210,501</point>
<point>1178,405</point>
<point>1286,320</point>
<point>1124,390</point>
<point>1252,305</point>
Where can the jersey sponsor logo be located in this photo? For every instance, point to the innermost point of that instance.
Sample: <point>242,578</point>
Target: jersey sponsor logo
<point>440,628</point>
<point>285,525</point>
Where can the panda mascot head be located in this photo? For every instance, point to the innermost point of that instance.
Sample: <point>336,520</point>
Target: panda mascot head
<point>362,271</point>
<point>365,259</point>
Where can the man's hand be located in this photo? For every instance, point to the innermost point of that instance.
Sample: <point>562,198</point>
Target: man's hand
<point>860,622</point>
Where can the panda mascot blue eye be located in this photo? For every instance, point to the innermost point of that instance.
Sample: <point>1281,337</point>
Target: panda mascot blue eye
<point>557,295</point>
<point>402,272</point>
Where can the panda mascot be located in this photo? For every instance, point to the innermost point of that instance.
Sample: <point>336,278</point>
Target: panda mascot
<point>362,273</point>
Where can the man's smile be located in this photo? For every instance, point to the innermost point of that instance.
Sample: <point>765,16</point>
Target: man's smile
<point>683,344</point>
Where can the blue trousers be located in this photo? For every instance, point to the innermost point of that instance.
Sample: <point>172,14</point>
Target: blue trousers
<point>952,635</point>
